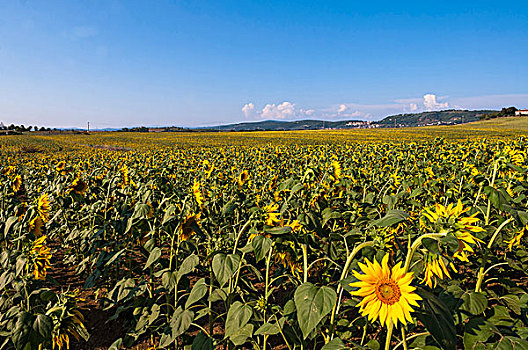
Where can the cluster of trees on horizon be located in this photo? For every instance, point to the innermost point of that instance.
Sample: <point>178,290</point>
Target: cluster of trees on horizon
<point>22,128</point>
<point>505,112</point>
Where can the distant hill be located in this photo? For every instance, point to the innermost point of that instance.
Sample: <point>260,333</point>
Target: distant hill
<point>277,125</point>
<point>446,117</point>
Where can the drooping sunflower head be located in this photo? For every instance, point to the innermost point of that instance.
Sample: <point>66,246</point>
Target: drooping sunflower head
<point>43,207</point>
<point>272,214</point>
<point>68,320</point>
<point>187,228</point>
<point>17,183</point>
<point>40,256</point>
<point>208,168</point>
<point>242,178</point>
<point>197,192</point>
<point>36,225</point>
<point>450,220</point>
<point>387,294</point>
<point>78,186</point>
<point>337,170</point>
<point>286,258</point>
<point>436,267</point>
<point>295,225</point>
<point>516,239</point>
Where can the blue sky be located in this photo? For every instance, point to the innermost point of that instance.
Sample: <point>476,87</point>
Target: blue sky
<point>192,63</point>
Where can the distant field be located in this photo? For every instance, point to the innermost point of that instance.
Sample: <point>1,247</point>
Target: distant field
<point>490,129</point>
<point>256,240</point>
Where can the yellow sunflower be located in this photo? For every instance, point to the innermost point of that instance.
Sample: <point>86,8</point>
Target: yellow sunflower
<point>387,293</point>
<point>43,207</point>
<point>60,166</point>
<point>272,214</point>
<point>338,170</point>
<point>449,220</point>
<point>41,256</point>
<point>516,240</point>
<point>17,183</point>
<point>126,177</point>
<point>198,193</point>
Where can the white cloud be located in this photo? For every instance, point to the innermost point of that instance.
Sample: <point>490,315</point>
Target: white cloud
<point>248,110</point>
<point>430,103</point>
<point>281,111</point>
<point>342,108</point>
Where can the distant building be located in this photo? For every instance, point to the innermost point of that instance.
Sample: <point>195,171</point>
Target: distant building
<point>521,113</point>
<point>2,126</point>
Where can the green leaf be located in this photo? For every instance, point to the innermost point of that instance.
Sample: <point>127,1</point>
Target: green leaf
<point>229,207</point>
<point>513,302</point>
<point>261,246</point>
<point>20,263</point>
<point>511,343</point>
<point>141,211</point>
<point>224,267</point>
<point>116,345</point>
<point>438,320</point>
<point>153,257</point>
<point>237,328</point>
<point>278,230</point>
<point>9,222</point>
<point>242,335</point>
<point>270,328</point>
<point>187,266</point>
<point>198,291</point>
<point>168,280</point>
<point>498,198</point>
<point>474,302</point>
<point>43,326</point>
<point>202,342</point>
<point>312,304</point>
<point>335,344</point>
<point>115,256</point>
<point>477,332</point>
<point>169,214</point>
<point>392,217</point>
<point>181,321</point>
<point>22,332</point>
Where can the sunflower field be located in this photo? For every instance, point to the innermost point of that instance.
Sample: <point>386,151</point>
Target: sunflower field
<point>402,239</point>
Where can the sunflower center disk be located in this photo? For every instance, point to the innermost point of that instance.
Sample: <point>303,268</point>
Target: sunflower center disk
<point>388,292</point>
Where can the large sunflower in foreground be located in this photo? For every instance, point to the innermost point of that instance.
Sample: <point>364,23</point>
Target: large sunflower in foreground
<point>387,292</point>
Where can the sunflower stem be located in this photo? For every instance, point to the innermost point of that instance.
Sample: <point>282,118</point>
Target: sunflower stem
<point>416,244</point>
<point>404,337</point>
<point>482,272</point>
<point>389,336</point>
<point>268,263</point>
<point>305,262</point>
<point>242,230</point>
<point>491,185</point>
<point>344,274</point>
